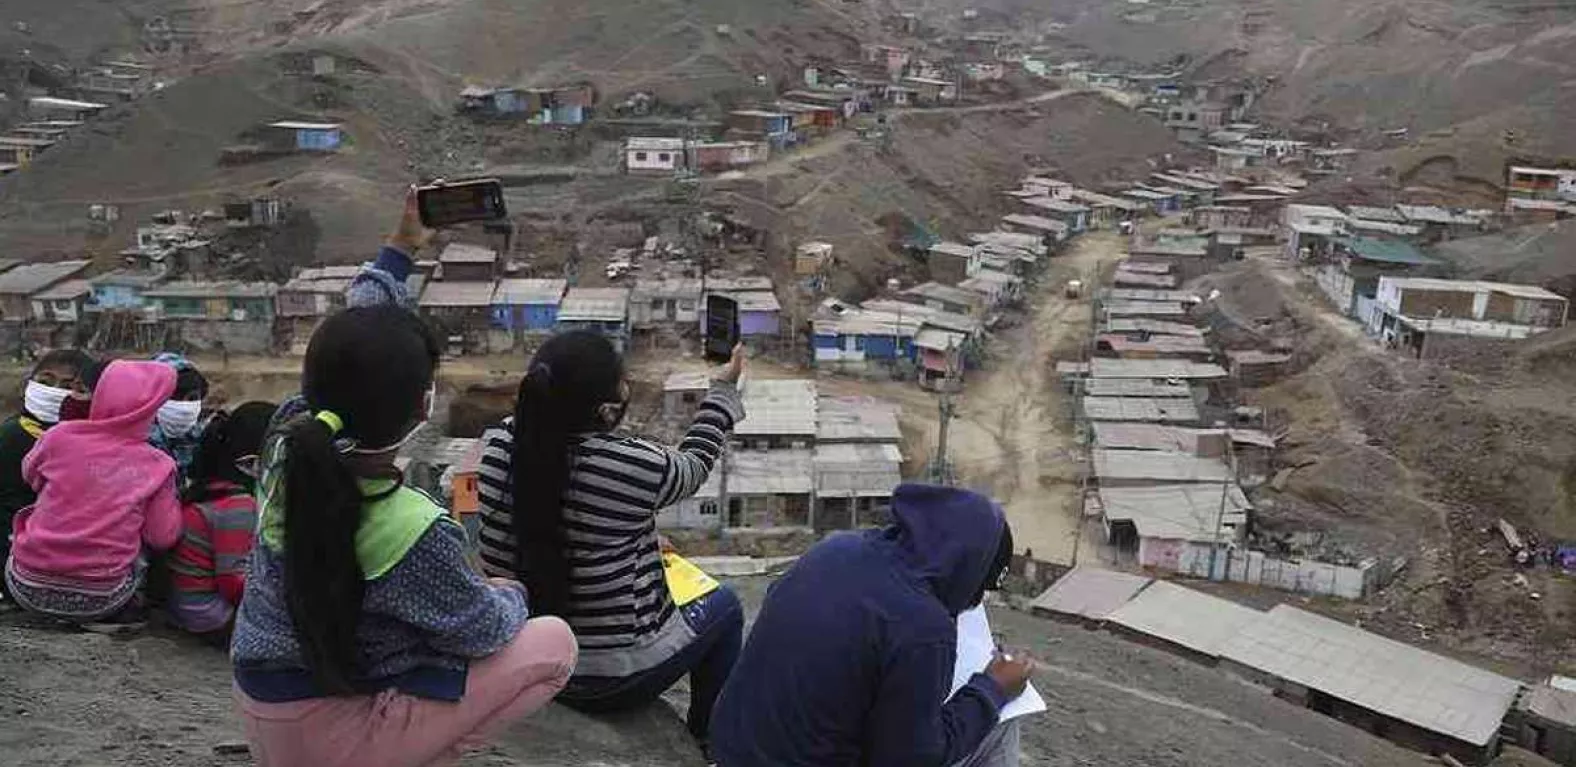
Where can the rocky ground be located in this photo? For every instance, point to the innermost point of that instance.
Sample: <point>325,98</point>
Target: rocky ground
<point>160,699</point>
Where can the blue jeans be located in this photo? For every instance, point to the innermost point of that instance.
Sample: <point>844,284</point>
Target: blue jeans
<point>718,622</point>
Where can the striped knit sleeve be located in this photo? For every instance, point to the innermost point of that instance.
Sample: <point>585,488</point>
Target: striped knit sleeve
<point>494,478</point>
<point>690,465</point>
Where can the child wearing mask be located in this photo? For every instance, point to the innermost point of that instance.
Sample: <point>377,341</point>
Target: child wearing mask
<point>219,515</point>
<point>364,636</point>
<point>178,427</point>
<point>104,496</point>
<point>57,382</point>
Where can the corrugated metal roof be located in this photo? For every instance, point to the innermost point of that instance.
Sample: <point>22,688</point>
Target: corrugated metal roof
<point>293,125</point>
<point>778,408</point>
<point>1150,294</point>
<point>860,470</point>
<point>753,300</point>
<point>1134,387</point>
<point>129,278</point>
<point>1037,222</point>
<point>647,288</point>
<point>764,472</point>
<point>931,316</point>
<point>519,291</point>
<point>1178,512</point>
<point>1125,277</point>
<point>1551,703</point>
<point>1159,467</point>
<point>1473,286</point>
<point>594,305</point>
<point>946,293</point>
<point>461,253</point>
<point>1184,617</point>
<point>1144,309</point>
<point>214,290</point>
<point>1145,267</point>
<point>939,340</point>
<point>52,102</point>
<point>457,294</point>
<point>1152,327</point>
<point>739,284</point>
<point>1385,251</point>
<point>1054,205</point>
<point>1184,369</point>
<point>953,249</point>
<point>1427,690</point>
<point>856,419</point>
<point>1158,410</point>
<point>1163,346</point>
<point>1144,436</point>
<point>28,279</point>
<point>1371,213</point>
<point>654,144</point>
<point>1089,592</point>
<point>64,291</point>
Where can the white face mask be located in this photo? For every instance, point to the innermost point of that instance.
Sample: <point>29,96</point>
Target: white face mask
<point>432,398</point>
<point>178,418</point>
<point>44,402</point>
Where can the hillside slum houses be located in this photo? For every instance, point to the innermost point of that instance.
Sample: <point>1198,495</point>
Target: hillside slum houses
<point>1172,458</point>
<point>1393,690</point>
<point>564,105</point>
<point>799,459</point>
<point>1537,195</point>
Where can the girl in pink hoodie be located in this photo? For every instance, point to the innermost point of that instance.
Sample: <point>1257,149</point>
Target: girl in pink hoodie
<point>104,494</point>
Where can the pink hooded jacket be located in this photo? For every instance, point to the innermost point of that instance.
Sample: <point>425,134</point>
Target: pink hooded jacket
<point>103,491</point>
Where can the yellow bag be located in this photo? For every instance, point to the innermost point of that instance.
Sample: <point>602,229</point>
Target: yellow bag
<point>686,582</point>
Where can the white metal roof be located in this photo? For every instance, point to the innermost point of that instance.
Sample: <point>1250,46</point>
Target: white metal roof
<point>1159,467</point>
<point>863,470</point>
<point>1036,222</point>
<point>647,288</point>
<point>1379,674</point>
<point>1089,592</point>
<point>936,339</point>
<point>654,144</point>
<point>1144,267</point>
<point>739,284</point>
<point>1144,436</point>
<point>1134,387</point>
<point>50,102</point>
<point>1158,346</point>
<point>457,294</point>
<point>1124,308</point>
<point>856,419</point>
<point>594,305</point>
<point>1109,368</point>
<point>28,279</point>
<point>1128,277</point>
<point>294,125</point>
<point>1151,410</point>
<point>1178,512</point>
<point>953,249</point>
<point>778,407</point>
<point>1184,617</point>
<point>462,253</point>
<point>1473,286</point>
<point>1150,294</point>
<point>1152,327</point>
<point>519,291</point>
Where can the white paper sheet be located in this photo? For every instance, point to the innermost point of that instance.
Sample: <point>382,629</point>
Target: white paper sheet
<point>976,646</point>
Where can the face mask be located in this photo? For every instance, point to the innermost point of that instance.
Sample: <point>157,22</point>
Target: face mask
<point>43,402</point>
<point>178,418</point>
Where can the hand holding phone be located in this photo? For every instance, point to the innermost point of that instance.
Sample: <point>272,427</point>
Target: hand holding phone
<point>446,204</point>
<point>722,328</point>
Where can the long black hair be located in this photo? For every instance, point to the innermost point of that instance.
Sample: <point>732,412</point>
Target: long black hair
<point>571,378</point>
<point>227,438</point>
<point>371,369</point>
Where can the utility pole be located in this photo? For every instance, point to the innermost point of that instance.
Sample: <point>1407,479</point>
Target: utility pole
<point>1220,515</point>
<point>941,467</point>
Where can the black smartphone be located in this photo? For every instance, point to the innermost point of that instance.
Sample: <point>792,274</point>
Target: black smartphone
<point>722,327</point>
<point>446,204</point>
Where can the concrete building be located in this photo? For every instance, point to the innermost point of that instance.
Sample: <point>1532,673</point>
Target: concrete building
<point>63,302</point>
<point>1410,309</point>
<point>778,414</point>
<point>290,135</point>
<point>461,311</point>
<point>654,155</point>
<point>1531,183</point>
<point>719,156</point>
<point>665,302</point>
<point>460,262</point>
<point>952,262</point>
<point>600,310</point>
<point>1396,691</point>
<point>20,283</point>
<point>1311,228</point>
<point>1350,277</point>
<point>230,316</point>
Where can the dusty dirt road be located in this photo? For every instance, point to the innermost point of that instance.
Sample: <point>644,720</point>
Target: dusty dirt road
<point>1014,435</point>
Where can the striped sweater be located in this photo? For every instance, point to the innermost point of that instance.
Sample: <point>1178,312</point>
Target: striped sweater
<point>619,607</point>
<point>208,565</point>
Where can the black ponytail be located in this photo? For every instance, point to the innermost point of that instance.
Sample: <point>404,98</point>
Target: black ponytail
<point>323,578</point>
<point>571,378</point>
<point>366,375</point>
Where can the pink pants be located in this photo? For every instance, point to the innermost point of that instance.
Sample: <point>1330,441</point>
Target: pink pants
<point>392,729</point>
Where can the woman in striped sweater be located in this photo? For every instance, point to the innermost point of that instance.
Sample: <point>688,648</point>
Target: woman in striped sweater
<point>581,501</point>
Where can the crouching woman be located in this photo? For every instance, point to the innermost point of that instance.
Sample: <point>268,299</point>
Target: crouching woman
<point>364,638</point>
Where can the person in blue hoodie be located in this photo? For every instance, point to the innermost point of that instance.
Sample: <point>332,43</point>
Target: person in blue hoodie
<point>850,660</point>
<point>180,422</point>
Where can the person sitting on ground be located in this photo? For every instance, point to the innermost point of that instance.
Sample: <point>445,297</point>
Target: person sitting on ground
<point>364,637</point>
<point>219,516</point>
<point>383,282</point>
<point>104,496</point>
<point>851,657</point>
<point>179,425</point>
<point>57,381</point>
<point>582,503</point>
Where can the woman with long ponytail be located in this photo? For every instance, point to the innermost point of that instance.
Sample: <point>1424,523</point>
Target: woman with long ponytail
<point>569,507</point>
<point>364,637</point>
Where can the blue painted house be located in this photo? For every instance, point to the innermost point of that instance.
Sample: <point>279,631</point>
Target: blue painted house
<point>527,305</point>
<point>562,105</point>
<point>848,336</point>
<point>121,290</point>
<point>309,137</point>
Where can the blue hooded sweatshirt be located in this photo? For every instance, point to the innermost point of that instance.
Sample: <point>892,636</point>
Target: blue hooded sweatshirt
<point>850,660</point>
